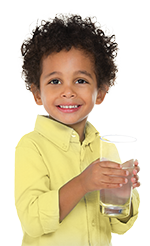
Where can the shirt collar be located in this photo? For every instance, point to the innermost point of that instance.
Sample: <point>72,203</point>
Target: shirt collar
<point>62,135</point>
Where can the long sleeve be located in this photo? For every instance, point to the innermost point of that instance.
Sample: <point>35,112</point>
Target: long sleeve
<point>120,227</point>
<point>37,205</point>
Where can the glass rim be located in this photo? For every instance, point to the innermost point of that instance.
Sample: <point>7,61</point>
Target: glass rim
<point>117,138</point>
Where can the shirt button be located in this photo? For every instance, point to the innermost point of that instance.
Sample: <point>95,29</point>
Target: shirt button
<point>64,146</point>
<point>73,134</point>
<point>93,223</point>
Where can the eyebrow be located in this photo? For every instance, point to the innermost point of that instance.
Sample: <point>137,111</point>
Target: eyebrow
<point>50,74</point>
<point>84,72</point>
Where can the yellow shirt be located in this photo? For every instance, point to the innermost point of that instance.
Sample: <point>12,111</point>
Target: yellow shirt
<point>46,159</point>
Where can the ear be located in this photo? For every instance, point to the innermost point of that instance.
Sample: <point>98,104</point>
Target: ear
<point>37,95</point>
<point>101,94</point>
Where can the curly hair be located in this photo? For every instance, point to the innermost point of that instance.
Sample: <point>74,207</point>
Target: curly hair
<point>64,32</point>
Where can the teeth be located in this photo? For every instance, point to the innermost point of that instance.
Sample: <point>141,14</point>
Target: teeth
<point>70,106</point>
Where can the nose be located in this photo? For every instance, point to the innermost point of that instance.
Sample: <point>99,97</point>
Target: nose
<point>68,92</point>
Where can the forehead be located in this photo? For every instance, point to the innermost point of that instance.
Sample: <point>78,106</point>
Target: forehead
<point>70,60</point>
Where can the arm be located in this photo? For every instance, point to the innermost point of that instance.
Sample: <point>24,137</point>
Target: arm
<point>69,195</point>
<point>37,206</point>
<point>94,177</point>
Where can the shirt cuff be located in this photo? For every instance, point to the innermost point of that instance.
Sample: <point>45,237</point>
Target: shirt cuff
<point>49,211</point>
<point>121,227</point>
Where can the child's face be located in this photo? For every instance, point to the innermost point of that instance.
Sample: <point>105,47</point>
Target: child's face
<point>68,87</point>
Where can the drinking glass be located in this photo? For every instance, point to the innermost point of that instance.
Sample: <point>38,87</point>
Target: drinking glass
<point>116,202</point>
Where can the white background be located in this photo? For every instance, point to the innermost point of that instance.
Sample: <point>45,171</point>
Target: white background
<point>130,22</point>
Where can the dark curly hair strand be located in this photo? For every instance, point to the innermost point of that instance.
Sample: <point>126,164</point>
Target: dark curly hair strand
<point>64,32</point>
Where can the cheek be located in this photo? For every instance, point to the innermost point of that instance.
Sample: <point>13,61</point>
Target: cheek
<point>46,98</point>
<point>89,96</point>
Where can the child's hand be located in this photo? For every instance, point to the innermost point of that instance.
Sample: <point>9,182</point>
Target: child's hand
<point>98,175</point>
<point>135,178</point>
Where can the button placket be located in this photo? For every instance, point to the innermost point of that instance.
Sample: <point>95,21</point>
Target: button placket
<point>82,152</point>
<point>93,223</point>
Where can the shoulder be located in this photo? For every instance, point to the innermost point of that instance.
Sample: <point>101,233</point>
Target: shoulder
<point>29,140</point>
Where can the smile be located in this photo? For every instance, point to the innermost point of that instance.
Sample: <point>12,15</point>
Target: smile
<point>69,106</point>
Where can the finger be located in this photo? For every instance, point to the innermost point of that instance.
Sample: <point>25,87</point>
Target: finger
<point>136,170</point>
<point>136,163</point>
<point>111,186</point>
<point>115,172</point>
<point>136,185</point>
<point>135,179</point>
<point>110,164</point>
<point>113,180</point>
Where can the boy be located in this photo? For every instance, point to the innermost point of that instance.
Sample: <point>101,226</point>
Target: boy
<point>69,67</point>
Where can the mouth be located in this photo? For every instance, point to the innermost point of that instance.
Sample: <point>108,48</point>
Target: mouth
<point>68,108</point>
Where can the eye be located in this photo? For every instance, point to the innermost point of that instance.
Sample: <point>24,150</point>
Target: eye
<point>81,81</point>
<point>54,82</point>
